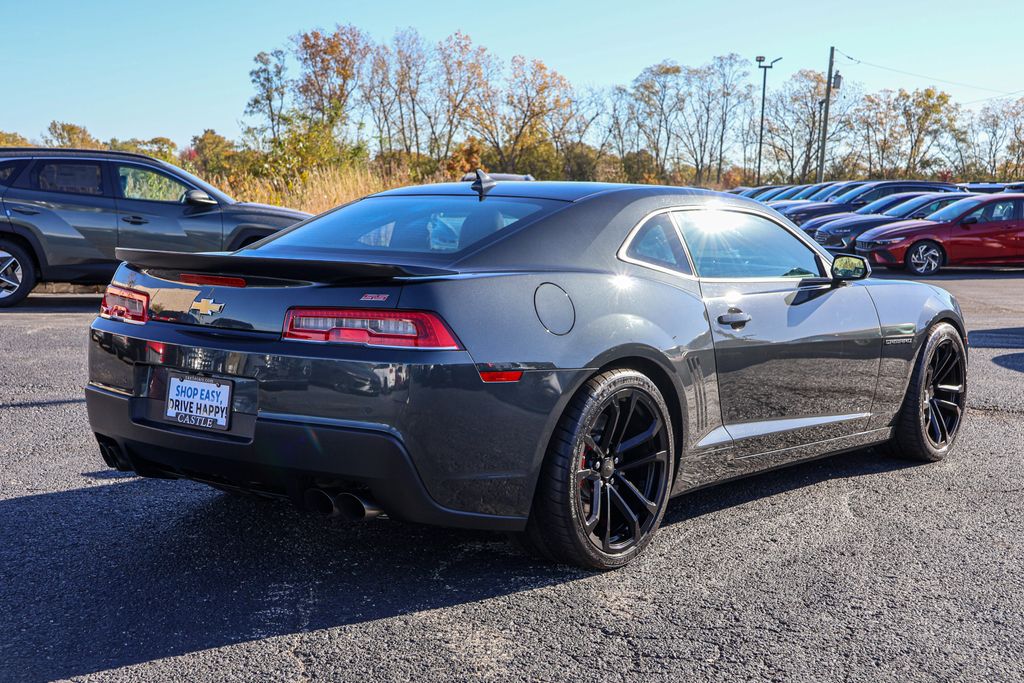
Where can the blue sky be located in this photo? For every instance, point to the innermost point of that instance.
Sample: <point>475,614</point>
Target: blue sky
<point>141,69</point>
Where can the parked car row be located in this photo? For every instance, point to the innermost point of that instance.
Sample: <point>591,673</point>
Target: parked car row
<point>920,226</point>
<point>65,211</point>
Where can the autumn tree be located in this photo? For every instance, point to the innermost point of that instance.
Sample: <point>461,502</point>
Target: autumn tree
<point>211,153</point>
<point>656,110</point>
<point>63,134</point>
<point>162,148</point>
<point>13,140</point>
<point>509,116</point>
<point>330,66</point>
<point>269,79</point>
<point>926,116</point>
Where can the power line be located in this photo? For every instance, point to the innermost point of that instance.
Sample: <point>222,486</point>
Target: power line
<point>985,99</point>
<point>1002,93</point>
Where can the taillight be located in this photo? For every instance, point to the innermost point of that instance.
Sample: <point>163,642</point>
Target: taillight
<point>406,329</point>
<point>215,280</point>
<point>124,304</point>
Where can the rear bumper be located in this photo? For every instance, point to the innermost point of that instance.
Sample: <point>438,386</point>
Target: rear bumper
<point>284,458</point>
<point>418,430</point>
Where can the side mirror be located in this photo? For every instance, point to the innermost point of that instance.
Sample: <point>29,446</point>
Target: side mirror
<point>847,267</point>
<point>199,198</point>
<point>970,220</point>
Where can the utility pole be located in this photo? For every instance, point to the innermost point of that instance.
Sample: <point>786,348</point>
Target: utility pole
<point>764,87</point>
<point>824,118</point>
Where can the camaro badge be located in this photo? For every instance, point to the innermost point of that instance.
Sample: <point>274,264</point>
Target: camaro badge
<point>206,307</point>
<point>374,297</point>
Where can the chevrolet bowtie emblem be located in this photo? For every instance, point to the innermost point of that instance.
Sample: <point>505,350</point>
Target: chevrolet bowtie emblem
<point>206,307</point>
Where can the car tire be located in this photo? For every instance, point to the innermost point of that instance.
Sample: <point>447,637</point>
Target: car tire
<point>17,274</point>
<point>929,421</point>
<point>924,258</point>
<point>606,478</point>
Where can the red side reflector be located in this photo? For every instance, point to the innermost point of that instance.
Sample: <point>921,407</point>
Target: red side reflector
<point>387,328</point>
<point>216,280</point>
<point>501,376</point>
<point>128,305</point>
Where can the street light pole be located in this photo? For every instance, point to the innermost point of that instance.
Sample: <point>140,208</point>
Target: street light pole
<point>764,87</point>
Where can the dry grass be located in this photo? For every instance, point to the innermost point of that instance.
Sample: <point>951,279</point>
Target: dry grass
<point>318,190</point>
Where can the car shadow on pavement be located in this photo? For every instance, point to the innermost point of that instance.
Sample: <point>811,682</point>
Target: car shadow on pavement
<point>1010,361</point>
<point>998,338</point>
<point>759,486</point>
<point>57,303</point>
<point>126,571</point>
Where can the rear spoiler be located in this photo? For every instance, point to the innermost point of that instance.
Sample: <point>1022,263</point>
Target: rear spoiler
<point>223,263</point>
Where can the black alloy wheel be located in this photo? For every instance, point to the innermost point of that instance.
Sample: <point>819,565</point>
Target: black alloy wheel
<point>943,407</point>
<point>936,401</point>
<point>606,480</point>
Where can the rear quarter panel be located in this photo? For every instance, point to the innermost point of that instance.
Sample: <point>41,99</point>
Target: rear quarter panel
<point>907,311</point>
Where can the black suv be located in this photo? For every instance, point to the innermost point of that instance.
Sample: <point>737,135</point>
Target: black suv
<point>65,211</point>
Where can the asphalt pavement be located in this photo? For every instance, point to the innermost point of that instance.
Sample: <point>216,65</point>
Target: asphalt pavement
<point>855,568</point>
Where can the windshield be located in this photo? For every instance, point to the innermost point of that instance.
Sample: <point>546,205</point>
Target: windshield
<point>910,207</point>
<point>954,210</point>
<point>849,195</point>
<point>788,194</point>
<point>877,206</point>
<point>808,192</point>
<point>205,186</point>
<point>411,224</point>
<point>833,190</point>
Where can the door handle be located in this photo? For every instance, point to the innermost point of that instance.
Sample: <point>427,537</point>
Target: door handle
<point>735,318</point>
<point>24,210</point>
<point>134,220</point>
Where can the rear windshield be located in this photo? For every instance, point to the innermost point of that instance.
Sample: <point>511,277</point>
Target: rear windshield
<point>439,225</point>
<point>954,210</point>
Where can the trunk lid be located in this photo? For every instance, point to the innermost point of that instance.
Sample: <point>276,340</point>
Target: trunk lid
<point>247,293</point>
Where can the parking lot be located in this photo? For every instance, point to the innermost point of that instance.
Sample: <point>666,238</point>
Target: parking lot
<point>857,567</point>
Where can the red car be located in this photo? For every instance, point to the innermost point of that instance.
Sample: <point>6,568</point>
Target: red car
<point>977,231</point>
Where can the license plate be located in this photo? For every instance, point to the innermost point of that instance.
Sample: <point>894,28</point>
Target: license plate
<point>198,402</point>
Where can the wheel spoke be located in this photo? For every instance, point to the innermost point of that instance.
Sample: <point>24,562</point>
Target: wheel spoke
<point>587,475</point>
<point>610,427</point>
<point>589,442</point>
<point>590,523</point>
<point>660,456</point>
<point>948,405</point>
<point>652,507</point>
<point>631,518</point>
<point>624,423</point>
<point>940,422</point>
<point>9,282</point>
<point>643,437</point>
<point>4,265</point>
<point>606,541</point>
<point>948,362</point>
<point>950,388</point>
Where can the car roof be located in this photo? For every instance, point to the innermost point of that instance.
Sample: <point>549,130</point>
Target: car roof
<point>566,191</point>
<point>7,152</point>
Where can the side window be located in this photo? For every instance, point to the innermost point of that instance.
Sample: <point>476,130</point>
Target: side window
<point>657,243</point>
<point>994,212</point>
<point>734,245</point>
<point>149,185</point>
<point>9,171</point>
<point>71,177</point>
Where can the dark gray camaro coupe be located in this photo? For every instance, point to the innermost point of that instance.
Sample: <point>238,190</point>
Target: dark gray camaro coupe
<point>551,359</point>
